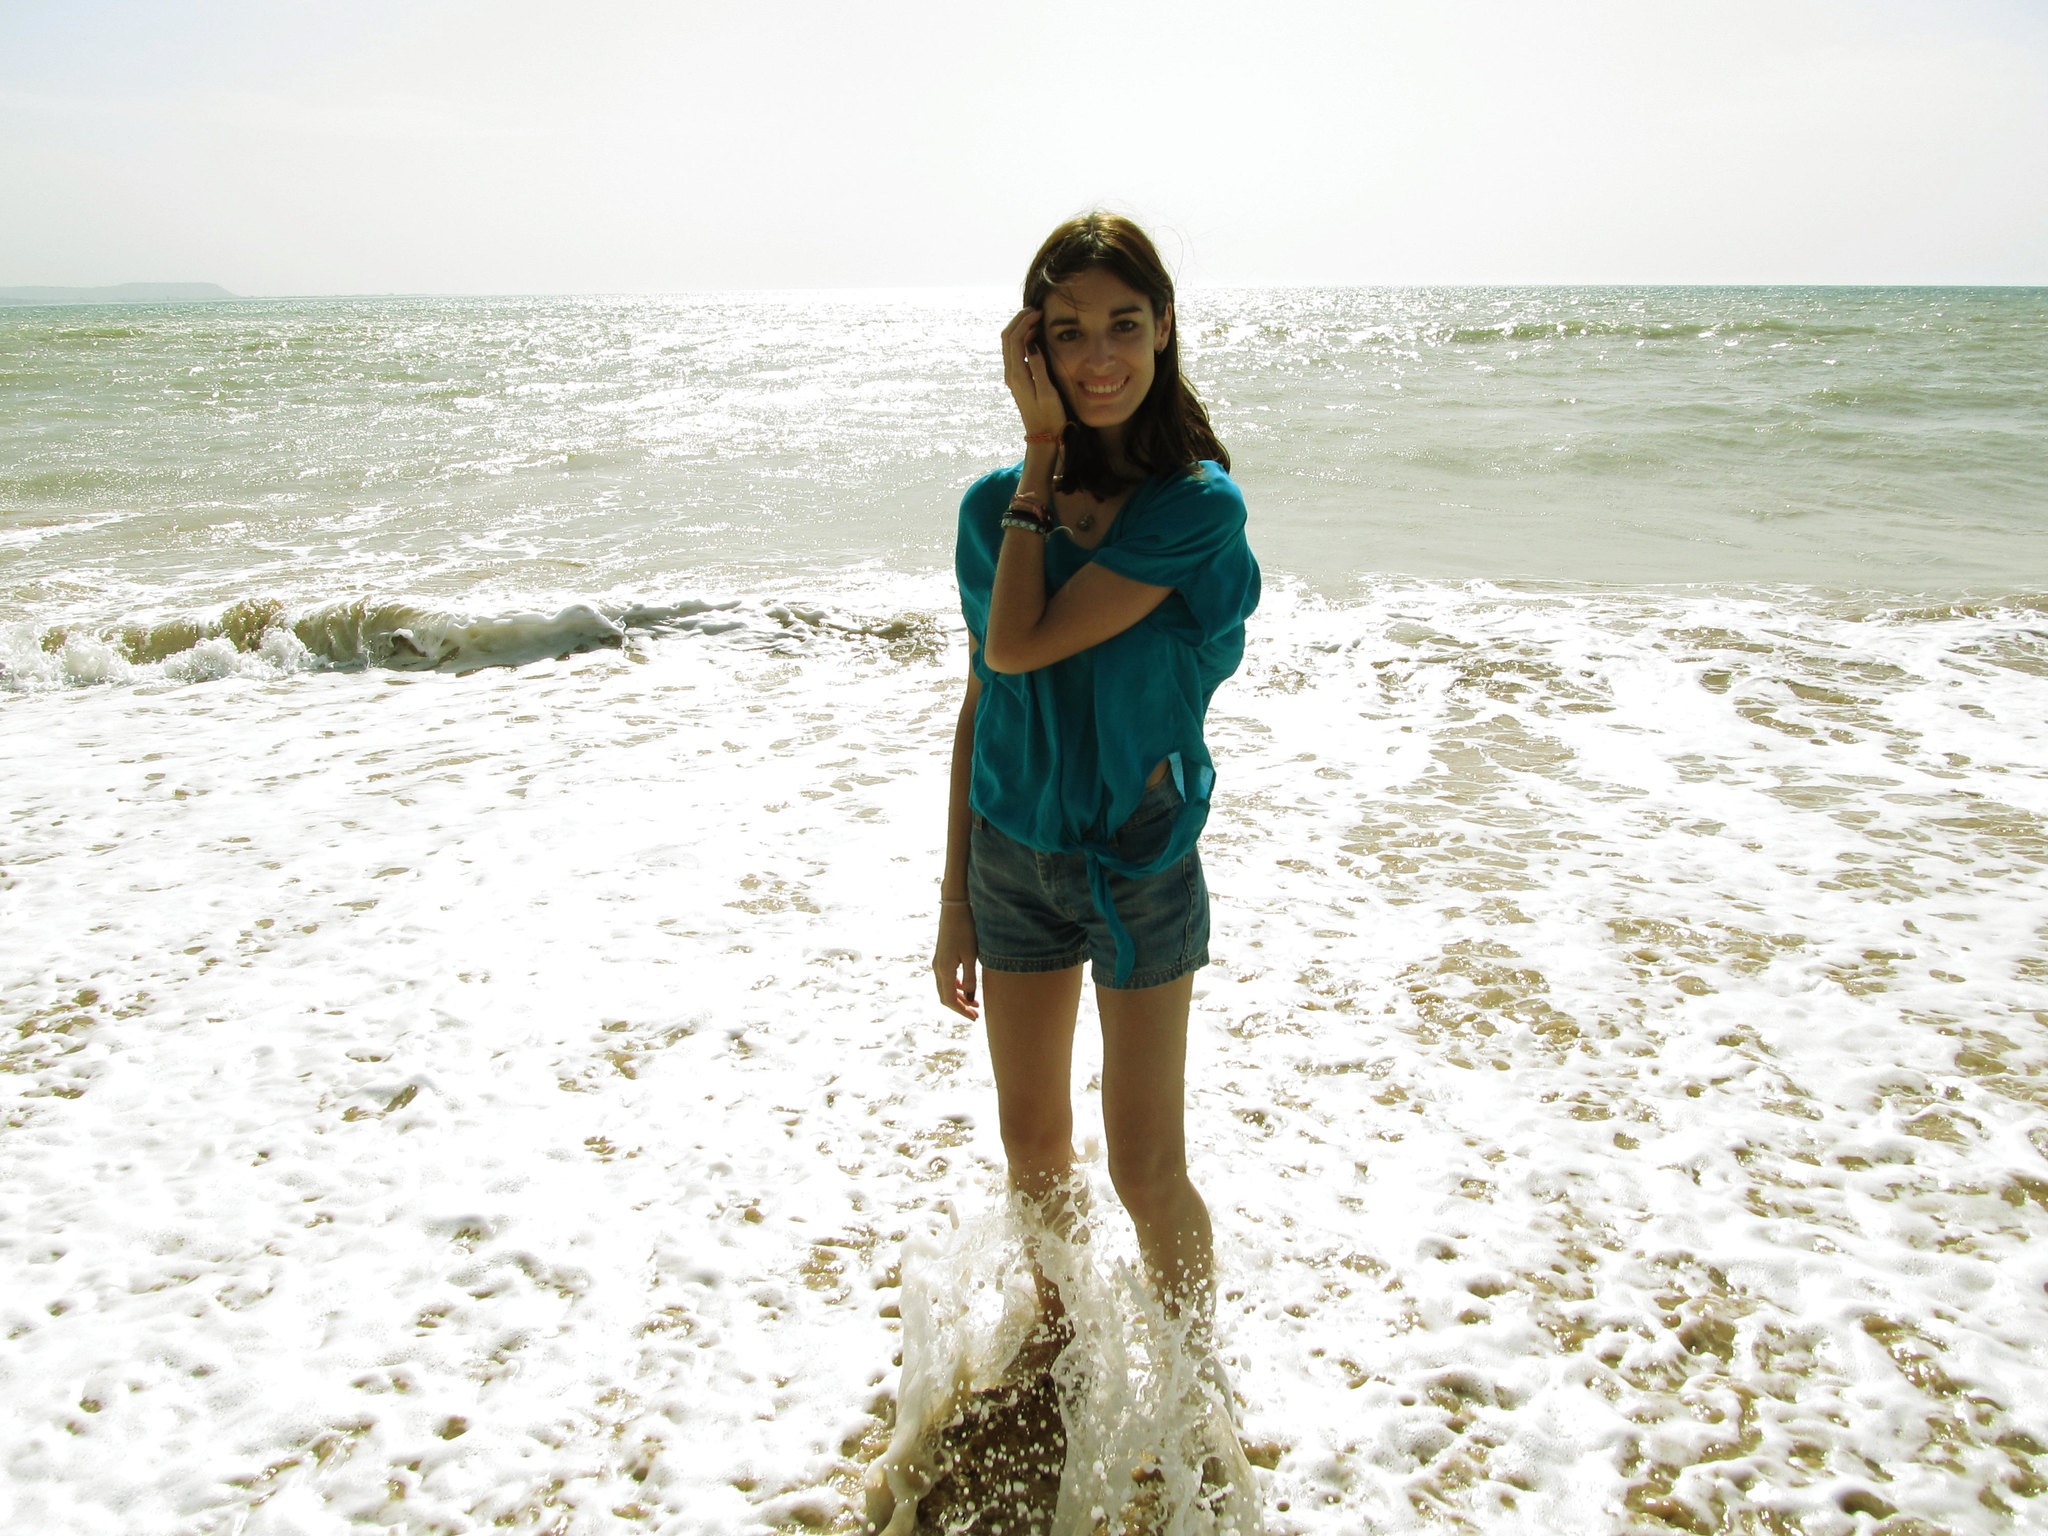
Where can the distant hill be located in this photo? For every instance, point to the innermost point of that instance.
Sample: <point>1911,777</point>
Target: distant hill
<point>120,293</point>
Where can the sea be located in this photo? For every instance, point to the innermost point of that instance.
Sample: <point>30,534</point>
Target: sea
<point>474,776</point>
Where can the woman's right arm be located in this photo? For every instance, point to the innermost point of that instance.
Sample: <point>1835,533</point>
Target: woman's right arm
<point>953,962</point>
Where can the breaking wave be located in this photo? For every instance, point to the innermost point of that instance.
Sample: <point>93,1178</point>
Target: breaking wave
<point>263,637</point>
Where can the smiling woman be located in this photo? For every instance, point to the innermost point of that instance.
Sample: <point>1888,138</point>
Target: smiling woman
<point>1105,581</point>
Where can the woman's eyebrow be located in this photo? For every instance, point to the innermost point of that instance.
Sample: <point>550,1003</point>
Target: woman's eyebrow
<point>1121,309</point>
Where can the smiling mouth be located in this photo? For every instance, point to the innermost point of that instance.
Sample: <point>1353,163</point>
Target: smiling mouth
<point>1103,391</point>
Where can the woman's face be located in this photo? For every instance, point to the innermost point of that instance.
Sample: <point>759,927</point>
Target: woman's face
<point>1104,344</point>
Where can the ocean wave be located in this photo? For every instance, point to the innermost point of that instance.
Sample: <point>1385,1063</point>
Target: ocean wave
<point>1648,330</point>
<point>263,637</point>
<point>65,485</point>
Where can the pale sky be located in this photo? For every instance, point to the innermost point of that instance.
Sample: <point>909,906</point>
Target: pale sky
<point>510,146</point>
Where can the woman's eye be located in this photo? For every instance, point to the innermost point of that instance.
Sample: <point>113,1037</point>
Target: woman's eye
<point>1066,335</point>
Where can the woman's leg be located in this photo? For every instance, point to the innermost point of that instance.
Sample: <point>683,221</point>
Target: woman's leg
<point>1144,1062</point>
<point>1030,1021</point>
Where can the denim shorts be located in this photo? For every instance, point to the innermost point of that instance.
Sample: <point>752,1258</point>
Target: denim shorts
<point>1033,911</point>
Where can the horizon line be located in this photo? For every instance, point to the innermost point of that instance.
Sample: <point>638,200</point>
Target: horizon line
<point>227,297</point>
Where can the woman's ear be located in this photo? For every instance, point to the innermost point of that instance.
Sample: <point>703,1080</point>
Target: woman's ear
<point>1165,329</point>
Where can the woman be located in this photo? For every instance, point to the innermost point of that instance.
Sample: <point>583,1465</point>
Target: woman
<point>1105,581</point>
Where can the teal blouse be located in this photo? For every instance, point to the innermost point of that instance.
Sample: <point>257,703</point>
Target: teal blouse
<point>1061,754</point>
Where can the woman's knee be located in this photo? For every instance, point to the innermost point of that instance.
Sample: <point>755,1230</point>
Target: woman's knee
<point>1148,1180</point>
<point>1040,1141</point>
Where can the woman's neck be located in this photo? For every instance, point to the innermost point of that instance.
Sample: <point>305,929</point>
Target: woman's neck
<point>1113,450</point>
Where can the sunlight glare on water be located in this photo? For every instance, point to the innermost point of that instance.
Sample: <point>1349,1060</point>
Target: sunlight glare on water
<point>469,452</point>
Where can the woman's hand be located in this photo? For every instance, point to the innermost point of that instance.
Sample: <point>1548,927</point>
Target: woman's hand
<point>953,962</point>
<point>1029,376</point>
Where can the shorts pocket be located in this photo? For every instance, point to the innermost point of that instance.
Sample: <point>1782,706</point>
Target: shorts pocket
<point>1143,838</point>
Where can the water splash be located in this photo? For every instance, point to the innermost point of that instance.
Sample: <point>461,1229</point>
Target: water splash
<point>1149,1440</point>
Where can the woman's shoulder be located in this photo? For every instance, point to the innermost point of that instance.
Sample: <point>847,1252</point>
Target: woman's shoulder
<point>993,489</point>
<point>1205,493</point>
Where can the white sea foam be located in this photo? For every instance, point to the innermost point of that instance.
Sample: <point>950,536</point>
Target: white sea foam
<point>433,1101</point>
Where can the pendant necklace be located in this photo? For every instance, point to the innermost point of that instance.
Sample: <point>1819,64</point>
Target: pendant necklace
<point>1087,519</point>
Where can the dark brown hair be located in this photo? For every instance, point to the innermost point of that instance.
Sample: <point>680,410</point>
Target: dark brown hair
<point>1170,430</point>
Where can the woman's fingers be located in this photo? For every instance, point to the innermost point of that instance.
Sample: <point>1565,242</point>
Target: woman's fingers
<point>1016,340</point>
<point>953,995</point>
<point>955,976</point>
<point>1050,408</point>
<point>1025,372</point>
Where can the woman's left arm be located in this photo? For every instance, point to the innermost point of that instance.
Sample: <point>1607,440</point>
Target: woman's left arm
<point>1026,632</point>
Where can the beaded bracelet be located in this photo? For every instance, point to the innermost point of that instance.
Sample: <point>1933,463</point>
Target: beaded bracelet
<point>1028,508</point>
<point>1045,439</point>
